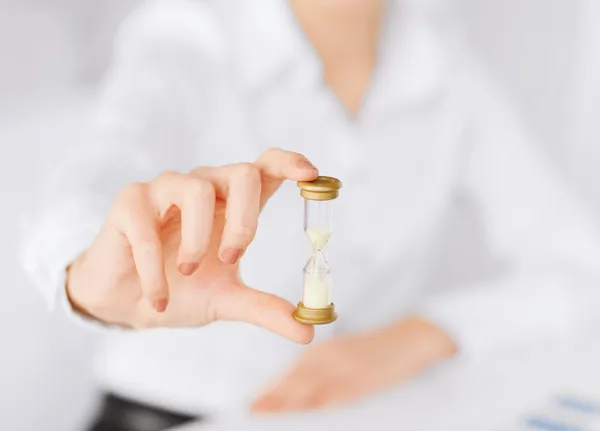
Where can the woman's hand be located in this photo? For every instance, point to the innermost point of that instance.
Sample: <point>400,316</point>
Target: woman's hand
<point>342,370</point>
<point>168,253</point>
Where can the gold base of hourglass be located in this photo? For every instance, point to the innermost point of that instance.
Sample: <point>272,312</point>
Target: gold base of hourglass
<point>313,316</point>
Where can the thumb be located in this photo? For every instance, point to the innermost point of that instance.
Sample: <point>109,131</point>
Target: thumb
<point>244,304</point>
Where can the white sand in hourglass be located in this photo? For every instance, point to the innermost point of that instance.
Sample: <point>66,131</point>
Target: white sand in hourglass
<point>317,290</point>
<point>318,236</point>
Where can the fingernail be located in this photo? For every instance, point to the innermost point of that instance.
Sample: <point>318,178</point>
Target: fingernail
<point>231,255</point>
<point>188,268</point>
<point>305,164</point>
<point>160,305</point>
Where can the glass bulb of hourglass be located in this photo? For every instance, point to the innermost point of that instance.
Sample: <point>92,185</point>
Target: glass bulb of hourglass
<point>317,282</point>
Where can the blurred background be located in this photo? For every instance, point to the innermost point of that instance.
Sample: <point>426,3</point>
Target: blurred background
<point>52,53</point>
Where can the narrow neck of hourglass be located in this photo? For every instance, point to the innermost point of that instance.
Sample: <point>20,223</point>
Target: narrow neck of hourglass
<point>317,263</point>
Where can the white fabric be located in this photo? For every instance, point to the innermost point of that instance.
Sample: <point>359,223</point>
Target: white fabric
<point>196,83</point>
<point>582,153</point>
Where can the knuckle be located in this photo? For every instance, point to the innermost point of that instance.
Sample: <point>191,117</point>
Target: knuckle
<point>273,152</point>
<point>165,176</point>
<point>247,171</point>
<point>199,189</point>
<point>128,198</point>
<point>132,191</point>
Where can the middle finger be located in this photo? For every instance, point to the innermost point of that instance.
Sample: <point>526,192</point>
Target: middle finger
<point>240,186</point>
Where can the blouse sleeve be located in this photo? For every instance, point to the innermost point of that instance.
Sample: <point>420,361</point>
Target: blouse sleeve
<point>142,126</point>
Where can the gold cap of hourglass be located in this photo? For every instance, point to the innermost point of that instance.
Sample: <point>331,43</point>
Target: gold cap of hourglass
<point>320,189</point>
<point>312,316</point>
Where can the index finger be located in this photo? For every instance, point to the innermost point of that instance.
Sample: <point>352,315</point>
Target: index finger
<point>277,165</point>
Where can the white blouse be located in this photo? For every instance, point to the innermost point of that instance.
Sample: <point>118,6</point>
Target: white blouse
<point>209,83</point>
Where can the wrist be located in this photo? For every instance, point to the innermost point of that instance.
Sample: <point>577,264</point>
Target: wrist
<point>88,305</point>
<point>72,293</point>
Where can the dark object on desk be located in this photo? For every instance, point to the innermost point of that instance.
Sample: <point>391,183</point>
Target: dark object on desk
<point>118,414</point>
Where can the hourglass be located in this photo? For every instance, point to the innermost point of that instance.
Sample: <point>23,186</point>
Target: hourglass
<point>316,307</point>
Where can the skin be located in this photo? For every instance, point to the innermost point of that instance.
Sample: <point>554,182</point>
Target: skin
<point>343,370</point>
<point>345,35</point>
<point>168,253</point>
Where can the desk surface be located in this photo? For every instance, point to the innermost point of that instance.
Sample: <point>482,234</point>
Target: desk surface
<point>463,396</point>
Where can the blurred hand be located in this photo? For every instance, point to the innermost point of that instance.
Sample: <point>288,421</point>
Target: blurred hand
<point>343,370</point>
<point>168,253</point>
